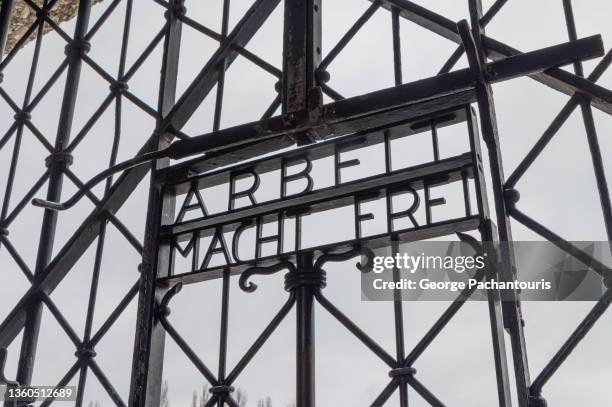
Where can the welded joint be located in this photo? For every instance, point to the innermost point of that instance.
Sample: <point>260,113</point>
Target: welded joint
<point>407,371</point>
<point>511,197</point>
<point>316,278</point>
<point>81,47</point>
<point>178,10</point>
<point>85,352</point>
<point>222,390</point>
<point>22,116</point>
<point>322,75</point>
<point>536,400</point>
<point>43,13</point>
<point>118,87</point>
<point>61,159</point>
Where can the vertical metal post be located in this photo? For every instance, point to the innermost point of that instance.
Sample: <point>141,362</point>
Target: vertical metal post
<point>148,355</point>
<point>305,334</point>
<point>513,319</point>
<point>6,9</point>
<point>398,307</point>
<point>301,55</point>
<point>56,163</point>
<point>488,234</point>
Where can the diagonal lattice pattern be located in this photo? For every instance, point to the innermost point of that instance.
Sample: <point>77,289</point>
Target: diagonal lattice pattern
<point>172,112</point>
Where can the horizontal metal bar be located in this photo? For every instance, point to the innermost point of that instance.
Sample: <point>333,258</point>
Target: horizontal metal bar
<point>388,107</point>
<point>545,58</point>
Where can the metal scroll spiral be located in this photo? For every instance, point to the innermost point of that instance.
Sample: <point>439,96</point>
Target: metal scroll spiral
<point>347,255</point>
<point>162,309</point>
<point>249,286</point>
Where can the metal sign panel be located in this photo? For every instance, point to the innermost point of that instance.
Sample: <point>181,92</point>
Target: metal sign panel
<point>350,190</point>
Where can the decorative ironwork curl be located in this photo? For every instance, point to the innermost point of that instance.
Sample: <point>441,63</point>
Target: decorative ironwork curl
<point>162,309</point>
<point>349,254</point>
<point>471,241</point>
<point>249,286</point>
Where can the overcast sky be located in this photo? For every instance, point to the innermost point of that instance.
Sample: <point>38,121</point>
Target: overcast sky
<point>558,190</point>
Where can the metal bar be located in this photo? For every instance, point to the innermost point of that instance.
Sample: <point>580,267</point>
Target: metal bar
<point>488,122</point>
<point>355,330</point>
<point>598,166</point>
<point>221,69</point>
<point>63,381</point>
<point>301,52</point>
<point>45,298</point>
<point>6,10</point>
<point>562,81</point>
<point>301,58</point>
<point>424,392</point>
<point>190,353</point>
<point>149,338</point>
<point>114,315</point>
<point>397,46</point>
<point>348,36</point>
<point>266,66</point>
<point>106,384</point>
<point>385,394</point>
<point>261,339</point>
<point>440,323</point>
<point>305,336</point>
<point>572,342</point>
<point>24,38</point>
<point>223,331</point>
<point>570,22</point>
<point>398,322</point>
<point>488,233</point>
<point>45,247</point>
<point>589,124</point>
<point>558,241</point>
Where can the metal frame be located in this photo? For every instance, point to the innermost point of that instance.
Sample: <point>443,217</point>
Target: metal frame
<point>302,81</point>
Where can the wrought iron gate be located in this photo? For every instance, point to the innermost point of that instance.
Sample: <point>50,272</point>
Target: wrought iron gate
<point>302,85</point>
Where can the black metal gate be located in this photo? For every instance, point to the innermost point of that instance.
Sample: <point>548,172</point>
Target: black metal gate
<point>302,84</point>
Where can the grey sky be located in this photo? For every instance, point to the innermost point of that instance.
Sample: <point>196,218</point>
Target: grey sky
<point>559,191</point>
